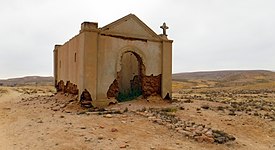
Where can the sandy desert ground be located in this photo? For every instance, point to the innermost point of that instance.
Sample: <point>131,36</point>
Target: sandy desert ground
<point>33,117</point>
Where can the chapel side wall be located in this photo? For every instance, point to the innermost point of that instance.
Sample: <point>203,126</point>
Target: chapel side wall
<point>63,62</point>
<point>69,62</point>
<point>110,49</point>
<point>166,69</point>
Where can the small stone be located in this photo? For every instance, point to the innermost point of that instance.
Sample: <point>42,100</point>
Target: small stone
<point>124,146</point>
<point>231,137</point>
<point>100,137</point>
<point>82,127</point>
<point>123,122</point>
<point>126,141</point>
<point>182,108</point>
<point>57,108</point>
<point>177,128</point>
<point>108,116</point>
<point>40,121</point>
<point>92,113</point>
<point>151,118</point>
<point>185,133</point>
<point>199,139</point>
<point>200,127</point>
<point>205,106</point>
<point>205,130</point>
<point>232,113</point>
<point>63,105</point>
<point>114,130</point>
<point>87,140</point>
<point>220,140</point>
<point>209,133</point>
<point>208,139</point>
<point>67,111</point>
<point>158,121</point>
<point>170,126</point>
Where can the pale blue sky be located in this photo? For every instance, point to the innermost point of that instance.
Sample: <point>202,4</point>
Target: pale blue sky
<point>207,34</point>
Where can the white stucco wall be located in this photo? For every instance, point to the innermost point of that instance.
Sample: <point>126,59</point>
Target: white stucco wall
<point>109,54</point>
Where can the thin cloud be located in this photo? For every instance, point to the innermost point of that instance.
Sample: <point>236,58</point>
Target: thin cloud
<point>208,35</point>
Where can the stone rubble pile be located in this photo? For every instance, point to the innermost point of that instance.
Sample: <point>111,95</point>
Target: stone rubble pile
<point>253,102</point>
<point>49,102</point>
<point>190,129</point>
<point>254,107</point>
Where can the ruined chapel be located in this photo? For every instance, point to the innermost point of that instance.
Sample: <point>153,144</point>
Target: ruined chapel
<point>121,59</point>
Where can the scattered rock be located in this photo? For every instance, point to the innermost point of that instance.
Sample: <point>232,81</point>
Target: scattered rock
<point>222,137</point>
<point>205,106</point>
<point>67,111</point>
<point>182,108</point>
<point>100,137</point>
<point>188,101</point>
<point>57,108</point>
<point>108,116</point>
<point>63,105</point>
<point>114,130</point>
<point>124,146</point>
<point>6,108</point>
<point>232,113</point>
<point>188,128</point>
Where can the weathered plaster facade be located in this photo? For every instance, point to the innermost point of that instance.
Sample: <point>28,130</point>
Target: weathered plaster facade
<point>118,57</point>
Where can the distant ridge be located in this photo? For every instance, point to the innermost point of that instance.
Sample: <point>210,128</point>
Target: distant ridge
<point>227,75</point>
<point>28,80</point>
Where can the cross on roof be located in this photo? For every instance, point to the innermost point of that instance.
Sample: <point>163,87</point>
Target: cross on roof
<point>164,28</point>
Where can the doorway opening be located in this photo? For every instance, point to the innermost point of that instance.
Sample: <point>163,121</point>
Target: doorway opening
<point>130,76</point>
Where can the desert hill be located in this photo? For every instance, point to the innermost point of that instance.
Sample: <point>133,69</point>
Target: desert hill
<point>225,75</point>
<point>29,80</point>
<point>227,78</point>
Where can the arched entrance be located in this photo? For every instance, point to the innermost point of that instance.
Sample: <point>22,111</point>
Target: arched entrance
<point>130,76</point>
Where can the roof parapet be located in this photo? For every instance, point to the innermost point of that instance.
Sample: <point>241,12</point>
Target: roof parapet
<point>89,26</point>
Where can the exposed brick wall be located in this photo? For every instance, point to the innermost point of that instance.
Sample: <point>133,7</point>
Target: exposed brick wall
<point>60,87</point>
<point>151,85</point>
<point>113,89</point>
<point>68,88</point>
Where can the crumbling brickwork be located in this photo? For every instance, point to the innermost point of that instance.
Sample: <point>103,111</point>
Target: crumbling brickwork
<point>71,88</point>
<point>68,88</point>
<point>151,85</point>
<point>60,86</point>
<point>113,89</point>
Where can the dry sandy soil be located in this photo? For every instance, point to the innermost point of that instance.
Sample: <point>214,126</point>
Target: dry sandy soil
<point>33,118</point>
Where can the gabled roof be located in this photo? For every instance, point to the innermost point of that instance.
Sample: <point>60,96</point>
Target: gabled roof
<point>130,26</point>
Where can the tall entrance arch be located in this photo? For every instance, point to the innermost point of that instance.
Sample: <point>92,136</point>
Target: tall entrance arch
<point>130,76</point>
